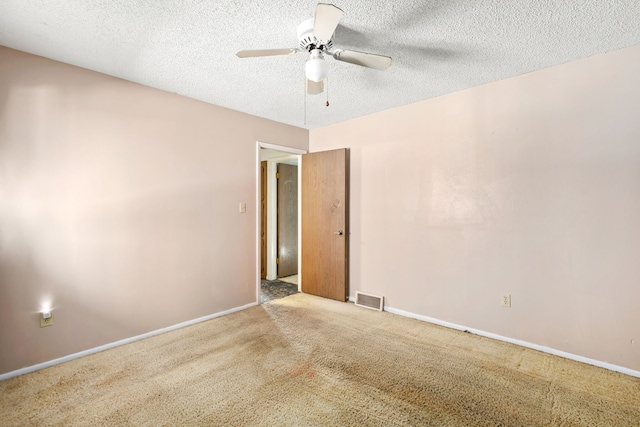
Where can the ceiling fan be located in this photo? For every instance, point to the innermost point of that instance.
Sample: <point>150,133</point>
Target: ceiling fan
<point>315,36</point>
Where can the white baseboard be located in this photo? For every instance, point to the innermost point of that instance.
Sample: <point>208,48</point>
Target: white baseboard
<point>121,342</point>
<point>526,344</point>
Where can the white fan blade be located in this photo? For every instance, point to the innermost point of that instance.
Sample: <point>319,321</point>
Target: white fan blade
<point>370,60</point>
<point>265,52</point>
<point>315,88</point>
<point>327,18</point>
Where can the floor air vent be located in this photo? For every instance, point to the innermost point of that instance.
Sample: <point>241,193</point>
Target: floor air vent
<point>373,302</point>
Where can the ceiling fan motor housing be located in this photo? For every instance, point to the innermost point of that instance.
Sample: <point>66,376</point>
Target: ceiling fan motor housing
<point>308,41</point>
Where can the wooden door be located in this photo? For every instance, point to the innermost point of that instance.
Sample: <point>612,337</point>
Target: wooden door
<point>325,224</point>
<point>263,220</point>
<point>287,220</point>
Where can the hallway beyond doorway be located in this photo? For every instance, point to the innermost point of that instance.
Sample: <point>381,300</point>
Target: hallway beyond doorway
<point>276,289</point>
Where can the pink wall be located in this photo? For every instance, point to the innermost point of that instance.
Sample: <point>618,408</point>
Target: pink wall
<point>119,204</point>
<point>528,186</point>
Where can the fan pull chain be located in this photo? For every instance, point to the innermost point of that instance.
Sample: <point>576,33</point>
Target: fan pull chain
<point>306,83</point>
<point>327,91</point>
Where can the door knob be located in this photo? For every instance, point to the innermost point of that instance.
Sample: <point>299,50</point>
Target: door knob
<point>339,232</point>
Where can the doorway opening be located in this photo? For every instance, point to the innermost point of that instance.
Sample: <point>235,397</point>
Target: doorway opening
<point>278,221</point>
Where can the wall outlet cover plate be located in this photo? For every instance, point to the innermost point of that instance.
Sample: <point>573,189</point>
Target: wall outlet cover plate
<point>46,322</point>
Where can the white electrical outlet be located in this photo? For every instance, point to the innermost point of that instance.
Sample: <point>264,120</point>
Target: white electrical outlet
<point>505,300</point>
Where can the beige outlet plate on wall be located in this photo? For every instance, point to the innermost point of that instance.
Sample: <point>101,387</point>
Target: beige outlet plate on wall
<point>46,322</point>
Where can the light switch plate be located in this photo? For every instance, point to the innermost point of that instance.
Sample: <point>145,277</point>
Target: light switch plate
<point>505,300</point>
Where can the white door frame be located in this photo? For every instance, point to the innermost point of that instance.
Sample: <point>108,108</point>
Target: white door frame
<point>284,150</point>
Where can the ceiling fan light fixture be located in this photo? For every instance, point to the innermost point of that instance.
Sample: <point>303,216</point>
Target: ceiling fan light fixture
<point>316,68</point>
<point>315,36</point>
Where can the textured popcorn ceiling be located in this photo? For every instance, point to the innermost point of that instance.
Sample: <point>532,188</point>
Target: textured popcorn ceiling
<point>438,46</point>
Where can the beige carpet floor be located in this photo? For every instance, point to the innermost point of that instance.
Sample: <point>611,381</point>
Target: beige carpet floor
<point>307,361</point>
